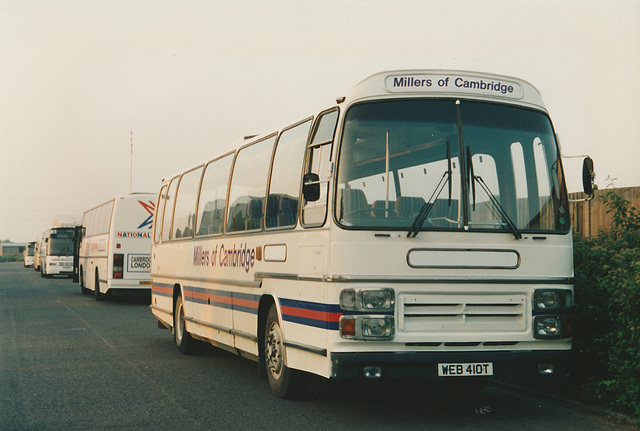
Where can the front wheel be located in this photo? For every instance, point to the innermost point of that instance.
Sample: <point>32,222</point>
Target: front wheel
<point>184,341</point>
<point>284,382</point>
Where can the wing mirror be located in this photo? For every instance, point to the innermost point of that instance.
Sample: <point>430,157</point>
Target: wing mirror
<point>311,187</point>
<point>588,176</point>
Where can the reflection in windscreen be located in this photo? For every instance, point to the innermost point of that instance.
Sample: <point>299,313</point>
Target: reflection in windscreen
<point>499,172</point>
<point>61,243</point>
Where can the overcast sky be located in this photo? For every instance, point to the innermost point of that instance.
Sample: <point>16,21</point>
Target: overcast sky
<point>192,77</point>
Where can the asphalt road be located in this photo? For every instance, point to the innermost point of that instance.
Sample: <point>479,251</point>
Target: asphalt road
<point>68,362</point>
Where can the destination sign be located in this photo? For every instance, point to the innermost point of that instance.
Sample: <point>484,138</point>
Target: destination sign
<point>446,83</point>
<point>138,262</point>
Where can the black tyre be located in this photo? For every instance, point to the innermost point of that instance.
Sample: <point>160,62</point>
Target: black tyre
<point>99,295</point>
<point>83,288</point>
<point>186,344</point>
<point>284,382</point>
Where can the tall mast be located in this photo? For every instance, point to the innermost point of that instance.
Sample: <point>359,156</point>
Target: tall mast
<point>131,165</point>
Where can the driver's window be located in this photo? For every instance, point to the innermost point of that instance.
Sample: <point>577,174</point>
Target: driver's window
<point>314,213</point>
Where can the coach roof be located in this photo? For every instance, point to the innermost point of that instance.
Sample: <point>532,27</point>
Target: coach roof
<point>447,83</point>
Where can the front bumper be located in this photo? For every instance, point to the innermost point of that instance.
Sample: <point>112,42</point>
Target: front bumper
<point>425,364</point>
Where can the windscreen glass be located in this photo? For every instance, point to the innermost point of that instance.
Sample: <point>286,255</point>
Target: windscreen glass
<point>448,164</point>
<point>61,242</point>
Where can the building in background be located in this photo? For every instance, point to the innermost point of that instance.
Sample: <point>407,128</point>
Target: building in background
<point>9,247</point>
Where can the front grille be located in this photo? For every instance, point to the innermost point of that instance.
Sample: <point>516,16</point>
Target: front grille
<point>450,313</point>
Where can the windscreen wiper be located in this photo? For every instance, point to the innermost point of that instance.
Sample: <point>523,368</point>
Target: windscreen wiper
<point>428,205</point>
<point>473,178</point>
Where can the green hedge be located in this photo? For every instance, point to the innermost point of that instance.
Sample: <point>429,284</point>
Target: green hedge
<point>607,315</point>
<point>11,257</point>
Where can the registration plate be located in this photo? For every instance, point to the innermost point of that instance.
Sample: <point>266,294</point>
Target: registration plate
<point>465,369</point>
<point>145,283</point>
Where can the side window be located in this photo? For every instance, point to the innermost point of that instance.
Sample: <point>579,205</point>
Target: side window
<point>213,196</point>
<point>184,216</point>
<point>105,219</point>
<point>282,204</point>
<point>314,213</point>
<point>97,220</point>
<point>87,222</point>
<point>100,222</point>
<point>157,223</point>
<point>248,186</point>
<point>168,209</point>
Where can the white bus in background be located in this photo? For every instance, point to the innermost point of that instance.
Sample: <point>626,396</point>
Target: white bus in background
<point>75,222</point>
<point>419,228</point>
<point>36,255</point>
<point>28,253</point>
<point>57,249</point>
<point>114,255</point>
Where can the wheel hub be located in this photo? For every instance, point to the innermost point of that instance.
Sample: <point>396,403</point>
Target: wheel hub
<point>274,350</point>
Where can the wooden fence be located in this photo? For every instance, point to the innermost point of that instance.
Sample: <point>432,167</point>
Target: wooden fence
<point>590,217</point>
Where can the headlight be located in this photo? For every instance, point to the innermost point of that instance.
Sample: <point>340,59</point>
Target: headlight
<point>377,327</point>
<point>348,299</point>
<point>367,300</point>
<point>367,327</point>
<point>547,300</point>
<point>552,313</point>
<point>378,299</point>
<point>548,327</point>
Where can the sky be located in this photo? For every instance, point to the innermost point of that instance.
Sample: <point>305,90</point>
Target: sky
<point>186,79</point>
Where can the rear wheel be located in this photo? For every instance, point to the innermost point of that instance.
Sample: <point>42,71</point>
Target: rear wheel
<point>99,295</point>
<point>83,288</point>
<point>284,382</point>
<point>184,341</point>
